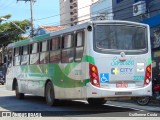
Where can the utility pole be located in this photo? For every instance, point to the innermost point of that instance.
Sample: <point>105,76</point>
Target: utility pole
<point>31,10</point>
<point>32,28</point>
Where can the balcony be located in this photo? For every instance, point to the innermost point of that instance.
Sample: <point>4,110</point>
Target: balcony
<point>74,5</point>
<point>74,18</point>
<point>73,1</point>
<point>73,12</point>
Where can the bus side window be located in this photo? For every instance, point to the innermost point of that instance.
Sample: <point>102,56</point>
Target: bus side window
<point>17,56</point>
<point>34,53</point>
<point>44,53</point>
<point>79,46</point>
<point>9,52</point>
<point>67,48</point>
<point>25,55</point>
<point>55,52</point>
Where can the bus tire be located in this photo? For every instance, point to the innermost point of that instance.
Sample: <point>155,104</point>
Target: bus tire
<point>18,95</point>
<point>143,100</point>
<point>96,101</point>
<point>49,94</point>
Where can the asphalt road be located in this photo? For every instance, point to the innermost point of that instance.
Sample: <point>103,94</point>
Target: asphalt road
<point>33,104</point>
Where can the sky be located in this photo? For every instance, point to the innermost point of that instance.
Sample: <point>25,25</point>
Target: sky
<point>45,12</point>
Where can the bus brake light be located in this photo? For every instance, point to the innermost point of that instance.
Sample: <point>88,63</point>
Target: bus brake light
<point>147,75</point>
<point>94,77</point>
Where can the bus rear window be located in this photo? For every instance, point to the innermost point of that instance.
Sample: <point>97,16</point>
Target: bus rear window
<point>119,37</point>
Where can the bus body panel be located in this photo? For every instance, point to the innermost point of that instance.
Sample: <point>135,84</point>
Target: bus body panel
<point>112,70</point>
<point>9,78</point>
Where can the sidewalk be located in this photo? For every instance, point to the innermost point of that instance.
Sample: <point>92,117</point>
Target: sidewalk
<point>154,102</point>
<point>152,106</point>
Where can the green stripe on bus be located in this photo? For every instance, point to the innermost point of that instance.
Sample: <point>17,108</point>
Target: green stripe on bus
<point>86,81</point>
<point>70,67</point>
<point>89,59</point>
<point>54,72</point>
<point>62,80</point>
<point>149,61</point>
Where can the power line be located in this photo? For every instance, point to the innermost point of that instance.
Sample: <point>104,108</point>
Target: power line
<point>115,11</point>
<point>7,5</point>
<point>63,13</point>
<point>31,10</point>
<point>108,8</point>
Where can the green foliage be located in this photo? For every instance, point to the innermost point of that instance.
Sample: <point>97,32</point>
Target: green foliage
<point>11,33</point>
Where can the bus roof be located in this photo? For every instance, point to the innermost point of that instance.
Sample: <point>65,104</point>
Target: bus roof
<point>66,30</point>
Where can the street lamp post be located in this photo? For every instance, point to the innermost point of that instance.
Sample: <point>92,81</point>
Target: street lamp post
<point>13,23</point>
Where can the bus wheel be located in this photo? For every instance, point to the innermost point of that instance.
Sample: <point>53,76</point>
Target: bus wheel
<point>18,95</point>
<point>143,100</point>
<point>96,101</point>
<point>49,94</point>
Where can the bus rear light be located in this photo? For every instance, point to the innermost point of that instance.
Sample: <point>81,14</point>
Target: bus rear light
<point>148,69</point>
<point>94,78</point>
<point>95,82</point>
<point>93,69</point>
<point>94,75</point>
<point>147,81</point>
<point>147,75</point>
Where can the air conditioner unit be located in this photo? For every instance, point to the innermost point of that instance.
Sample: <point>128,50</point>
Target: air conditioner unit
<point>139,8</point>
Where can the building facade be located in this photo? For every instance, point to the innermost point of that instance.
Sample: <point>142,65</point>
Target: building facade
<point>102,10</point>
<point>73,12</point>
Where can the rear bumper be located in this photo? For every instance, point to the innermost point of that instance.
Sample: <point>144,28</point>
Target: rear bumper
<point>95,92</point>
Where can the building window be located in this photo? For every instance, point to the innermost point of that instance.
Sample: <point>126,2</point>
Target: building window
<point>118,1</point>
<point>137,0</point>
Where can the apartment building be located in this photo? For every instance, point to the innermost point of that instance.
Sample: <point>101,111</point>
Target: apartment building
<point>102,10</point>
<point>73,12</point>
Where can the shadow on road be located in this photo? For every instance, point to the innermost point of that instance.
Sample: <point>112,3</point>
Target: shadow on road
<point>65,108</point>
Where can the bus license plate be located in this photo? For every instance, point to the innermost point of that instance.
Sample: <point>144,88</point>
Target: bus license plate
<point>121,84</point>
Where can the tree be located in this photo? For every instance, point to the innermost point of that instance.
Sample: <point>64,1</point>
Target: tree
<point>9,32</point>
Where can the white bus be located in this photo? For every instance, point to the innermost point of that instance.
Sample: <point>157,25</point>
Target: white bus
<point>95,61</point>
